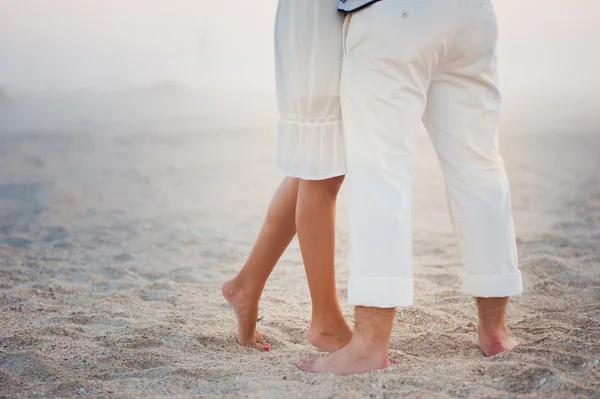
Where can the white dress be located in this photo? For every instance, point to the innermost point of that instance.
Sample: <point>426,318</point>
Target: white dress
<point>308,63</point>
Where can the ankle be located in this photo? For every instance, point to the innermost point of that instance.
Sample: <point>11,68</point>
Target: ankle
<point>238,287</point>
<point>492,329</point>
<point>369,345</point>
<point>331,321</point>
<point>492,313</point>
<point>326,312</point>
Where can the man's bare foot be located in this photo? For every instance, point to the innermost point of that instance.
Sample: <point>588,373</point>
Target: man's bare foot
<point>330,337</point>
<point>351,359</point>
<point>245,308</point>
<point>493,333</point>
<point>496,341</point>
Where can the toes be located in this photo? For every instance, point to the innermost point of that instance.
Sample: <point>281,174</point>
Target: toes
<point>261,343</point>
<point>259,339</point>
<point>258,343</point>
<point>261,347</point>
<point>308,365</point>
<point>245,340</point>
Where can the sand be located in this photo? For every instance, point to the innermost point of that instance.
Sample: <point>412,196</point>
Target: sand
<point>114,244</point>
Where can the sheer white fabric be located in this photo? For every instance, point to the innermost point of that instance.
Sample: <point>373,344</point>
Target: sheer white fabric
<point>308,63</point>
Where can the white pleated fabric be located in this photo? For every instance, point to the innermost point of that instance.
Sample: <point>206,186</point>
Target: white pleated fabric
<point>308,63</point>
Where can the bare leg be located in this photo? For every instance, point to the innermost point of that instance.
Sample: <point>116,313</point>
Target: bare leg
<point>493,333</point>
<point>329,330</point>
<point>315,221</point>
<point>368,349</point>
<point>244,291</point>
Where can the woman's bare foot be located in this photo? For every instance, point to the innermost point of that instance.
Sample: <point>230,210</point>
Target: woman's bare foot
<point>245,308</point>
<point>350,360</point>
<point>495,341</point>
<point>331,336</point>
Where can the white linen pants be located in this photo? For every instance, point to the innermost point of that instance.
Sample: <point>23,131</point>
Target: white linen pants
<point>430,61</point>
<point>308,66</point>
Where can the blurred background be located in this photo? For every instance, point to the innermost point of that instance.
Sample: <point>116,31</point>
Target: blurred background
<point>193,59</point>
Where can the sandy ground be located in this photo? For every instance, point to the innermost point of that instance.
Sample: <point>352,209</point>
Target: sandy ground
<point>113,247</point>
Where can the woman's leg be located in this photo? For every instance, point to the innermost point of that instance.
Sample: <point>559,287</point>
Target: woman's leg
<point>315,221</point>
<point>243,292</point>
<point>328,330</point>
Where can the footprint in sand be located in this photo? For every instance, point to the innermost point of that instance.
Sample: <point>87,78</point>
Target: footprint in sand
<point>159,292</point>
<point>211,342</point>
<point>28,366</point>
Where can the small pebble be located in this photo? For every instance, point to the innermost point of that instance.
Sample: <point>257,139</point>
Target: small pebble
<point>284,377</point>
<point>109,391</point>
<point>596,362</point>
<point>543,380</point>
<point>81,391</point>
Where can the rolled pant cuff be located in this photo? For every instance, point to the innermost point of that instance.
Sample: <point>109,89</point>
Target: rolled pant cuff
<point>492,285</point>
<point>381,292</point>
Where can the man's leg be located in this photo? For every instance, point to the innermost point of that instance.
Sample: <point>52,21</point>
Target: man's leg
<point>462,120</point>
<point>315,221</point>
<point>491,328</point>
<point>384,84</point>
<point>368,349</point>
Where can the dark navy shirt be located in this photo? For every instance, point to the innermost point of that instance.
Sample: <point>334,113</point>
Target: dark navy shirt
<point>354,5</point>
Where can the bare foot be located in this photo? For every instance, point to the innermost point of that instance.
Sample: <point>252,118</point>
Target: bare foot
<point>330,338</point>
<point>246,312</point>
<point>494,342</point>
<point>352,359</point>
